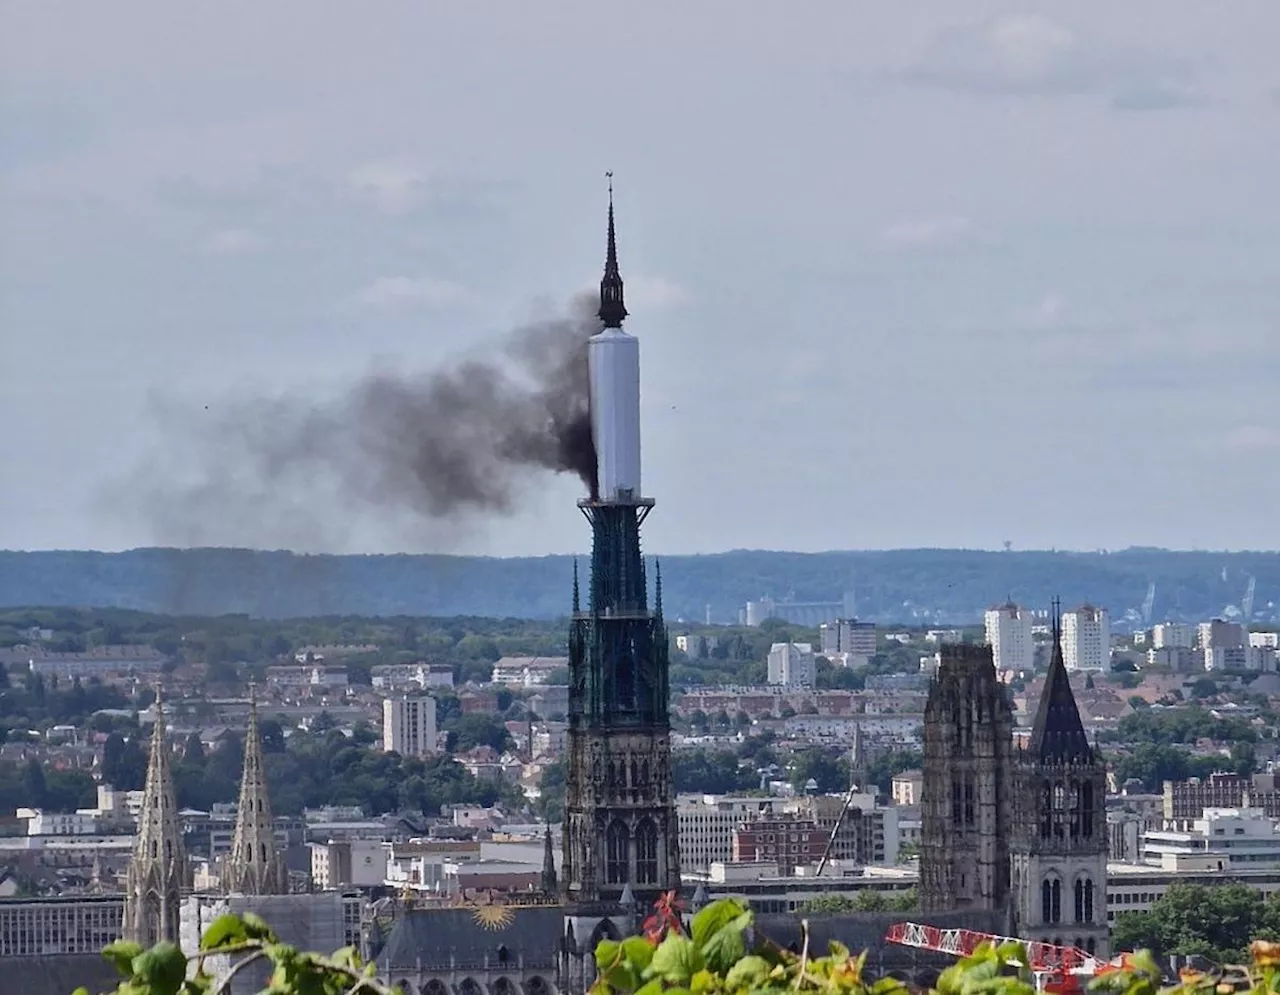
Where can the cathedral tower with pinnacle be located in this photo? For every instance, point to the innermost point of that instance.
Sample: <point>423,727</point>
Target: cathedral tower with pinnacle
<point>620,840</point>
<point>255,866</point>
<point>157,874</point>
<point>965,803</point>
<point>1059,847</point>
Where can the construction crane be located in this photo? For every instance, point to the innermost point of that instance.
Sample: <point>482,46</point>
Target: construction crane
<point>1056,969</point>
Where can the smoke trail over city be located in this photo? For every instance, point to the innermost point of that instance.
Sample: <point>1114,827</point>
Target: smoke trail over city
<point>437,445</point>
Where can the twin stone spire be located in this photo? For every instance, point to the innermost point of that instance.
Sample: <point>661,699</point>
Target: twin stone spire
<point>158,873</point>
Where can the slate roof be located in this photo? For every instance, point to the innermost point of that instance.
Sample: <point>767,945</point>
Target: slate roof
<point>1057,736</point>
<point>464,938</point>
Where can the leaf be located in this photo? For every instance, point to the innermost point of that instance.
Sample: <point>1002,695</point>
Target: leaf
<point>225,931</point>
<point>82,990</point>
<point>121,954</point>
<point>747,973</point>
<point>651,987</point>
<point>257,929</point>
<point>725,947</point>
<point>163,968</point>
<point>702,981</point>
<point>638,952</point>
<point>607,954</point>
<point>714,917</point>
<point>677,959</point>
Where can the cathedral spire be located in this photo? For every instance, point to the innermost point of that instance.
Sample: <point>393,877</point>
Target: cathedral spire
<point>254,866</point>
<point>577,606</point>
<point>657,589</point>
<point>158,869</point>
<point>1058,737</point>
<point>612,310</point>
<point>549,884</point>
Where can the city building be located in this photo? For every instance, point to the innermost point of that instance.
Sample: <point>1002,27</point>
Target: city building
<point>852,641</point>
<point>965,803</point>
<point>1008,633</point>
<point>785,842</point>
<point>1173,635</point>
<point>1179,659</point>
<point>1086,639</point>
<point>706,824</point>
<point>59,927</point>
<point>792,665</point>
<point>1222,839</point>
<point>527,671</point>
<point>906,787</point>
<point>409,725</point>
<point>1185,801</point>
<point>696,646</point>
<point>360,863</point>
<point>1059,841</point>
<point>1219,633</point>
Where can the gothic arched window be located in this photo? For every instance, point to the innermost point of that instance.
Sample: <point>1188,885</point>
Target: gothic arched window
<point>1059,807</point>
<point>435,987</point>
<point>1056,911</point>
<point>1046,810</point>
<point>1046,901</point>
<point>969,814</point>
<point>1074,809</point>
<point>537,985</point>
<point>647,853</point>
<point>1079,900</point>
<point>1088,900</point>
<point>470,986</point>
<point>616,856</point>
<point>1086,809</point>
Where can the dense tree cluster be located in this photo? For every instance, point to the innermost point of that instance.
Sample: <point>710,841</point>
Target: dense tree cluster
<point>1216,922</point>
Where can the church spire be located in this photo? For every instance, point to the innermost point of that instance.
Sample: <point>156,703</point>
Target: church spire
<point>254,866</point>
<point>158,869</point>
<point>1058,737</point>
<point>612,310</point>
<point>549,883</point>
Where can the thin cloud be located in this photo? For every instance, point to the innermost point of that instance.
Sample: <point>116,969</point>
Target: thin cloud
<point>1033,55</point>
<point>393,188</point>
<point>926,232</point>
<point>235,242</point>
<point>1253,438</point>
<point>395,292</point>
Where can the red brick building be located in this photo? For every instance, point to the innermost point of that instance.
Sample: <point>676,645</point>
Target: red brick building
<point>789,842</point>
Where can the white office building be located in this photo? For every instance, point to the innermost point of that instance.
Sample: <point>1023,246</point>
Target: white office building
<point>1086,639</point>
<point>791,665</point>
<point>409,725</point>
<point>1173,635</point>
<point>1222,839</point>
<point>1008,629</point>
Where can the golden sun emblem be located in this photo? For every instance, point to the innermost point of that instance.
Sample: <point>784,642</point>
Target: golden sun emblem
<point>493,916</point>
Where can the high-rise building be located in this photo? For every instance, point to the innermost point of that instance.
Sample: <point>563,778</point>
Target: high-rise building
<point>254,866</point>
<point>792,665</point>
<point>620,830</point>
<point>855,641</point>
<point>1008,630</point>
<point>1220,634</point>
<point>1086,639</point>
<point>409,725</point>
<point>1059,846</point>
<point>1173,635</point>
<point>158,871</point>
<point>965,803</point>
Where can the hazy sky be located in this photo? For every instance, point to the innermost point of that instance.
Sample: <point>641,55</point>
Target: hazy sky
<point>903,274</point>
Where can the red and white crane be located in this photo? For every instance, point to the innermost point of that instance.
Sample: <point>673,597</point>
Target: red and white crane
<point>1057,969</point>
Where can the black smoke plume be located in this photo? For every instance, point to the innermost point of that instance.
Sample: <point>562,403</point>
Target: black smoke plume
<point>437,445</point>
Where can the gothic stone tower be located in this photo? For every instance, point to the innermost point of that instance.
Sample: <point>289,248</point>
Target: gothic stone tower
<point>254,866</point>
<point>1060,837</point>
<point>968,745</point>
<point>620,839</point>
<point>158,871</point>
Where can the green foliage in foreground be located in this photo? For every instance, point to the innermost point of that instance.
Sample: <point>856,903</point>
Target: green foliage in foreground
<point>247,940</point>
<point>710,957</point>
